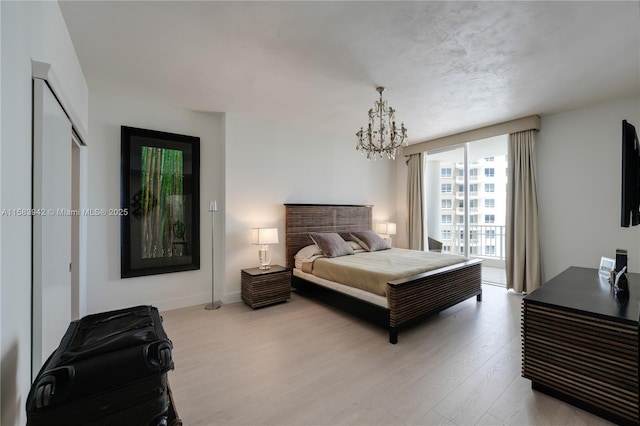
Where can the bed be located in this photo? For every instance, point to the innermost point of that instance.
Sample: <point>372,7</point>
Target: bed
<point>407,299</point>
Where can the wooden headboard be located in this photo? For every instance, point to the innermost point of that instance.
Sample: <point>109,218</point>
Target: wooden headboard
<point>304,218</point>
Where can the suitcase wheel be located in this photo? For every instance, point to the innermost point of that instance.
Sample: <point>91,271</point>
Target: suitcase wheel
<point>158,355</point>
<point>165,357</point>
<point>43,395</point>
<point>160,421</point>
<point>52,387</point>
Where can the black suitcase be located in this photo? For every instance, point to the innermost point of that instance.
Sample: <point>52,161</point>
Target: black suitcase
<point>109,369</point>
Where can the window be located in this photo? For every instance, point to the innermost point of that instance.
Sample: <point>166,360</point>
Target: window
<point>490,250</point>
<point>446,249</point>
<point>471,188</point>
<point>490,233</point>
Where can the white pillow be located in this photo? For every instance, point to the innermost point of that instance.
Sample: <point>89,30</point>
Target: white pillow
<point>306,253</point>
<point>354,245</point>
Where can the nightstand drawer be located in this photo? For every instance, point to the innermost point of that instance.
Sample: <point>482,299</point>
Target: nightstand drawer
<point>265,287</point>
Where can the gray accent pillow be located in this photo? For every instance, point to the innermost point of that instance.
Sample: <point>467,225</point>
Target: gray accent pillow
<point>370,241</point>
<point>331,244</point>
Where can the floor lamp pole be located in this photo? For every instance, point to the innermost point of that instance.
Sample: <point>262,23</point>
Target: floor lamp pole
<point>213,208</point>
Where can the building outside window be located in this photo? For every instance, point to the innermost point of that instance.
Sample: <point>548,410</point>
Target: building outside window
<point>489,218</point>
<point>446,218</point>
<point>489,187</point>
<point>490,172</point>
<point>490,203</point>
<point>446,188</point>
<point>447,204</point>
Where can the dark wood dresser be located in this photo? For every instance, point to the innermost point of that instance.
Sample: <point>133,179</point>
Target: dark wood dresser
<point>580,343</point>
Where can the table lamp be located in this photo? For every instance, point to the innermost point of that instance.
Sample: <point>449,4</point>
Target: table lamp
<point>264,237</point>
<point>386,230</point>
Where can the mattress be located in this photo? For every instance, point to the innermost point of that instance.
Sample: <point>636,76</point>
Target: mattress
<point>371,271</point>
<point>351,291</point>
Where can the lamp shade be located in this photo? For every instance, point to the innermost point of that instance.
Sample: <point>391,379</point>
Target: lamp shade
<point>386,228</point>
<point>264,236</point>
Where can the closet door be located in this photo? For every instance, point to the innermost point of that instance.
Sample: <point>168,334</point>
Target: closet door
<point>51,291</point>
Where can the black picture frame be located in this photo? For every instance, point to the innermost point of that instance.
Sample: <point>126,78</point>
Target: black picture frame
<point>160,202</point>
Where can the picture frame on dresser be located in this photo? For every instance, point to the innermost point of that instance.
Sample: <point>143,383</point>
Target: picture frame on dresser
<point>160,202</point>
<point>606,266</point>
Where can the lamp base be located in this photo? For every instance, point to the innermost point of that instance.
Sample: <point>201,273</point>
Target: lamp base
<point>213,305</point>
<point>264,267</point>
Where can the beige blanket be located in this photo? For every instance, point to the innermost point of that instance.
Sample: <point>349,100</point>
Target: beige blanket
<point>371,271</point>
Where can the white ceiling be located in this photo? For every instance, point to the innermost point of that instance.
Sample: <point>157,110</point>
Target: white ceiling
<point>447,66</point>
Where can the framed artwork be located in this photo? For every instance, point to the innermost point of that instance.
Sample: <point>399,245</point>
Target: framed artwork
<point>160,202</point>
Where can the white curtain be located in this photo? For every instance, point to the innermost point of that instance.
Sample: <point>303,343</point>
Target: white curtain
<point>523,258</point>
<point>415,219</point>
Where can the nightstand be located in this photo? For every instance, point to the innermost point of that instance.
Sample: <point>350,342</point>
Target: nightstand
<point>261,287</point>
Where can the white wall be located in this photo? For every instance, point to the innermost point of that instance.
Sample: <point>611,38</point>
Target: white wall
<point>579,185</point>
<point>30,30</point>
<point>106,290</point>
<point>269,165</point>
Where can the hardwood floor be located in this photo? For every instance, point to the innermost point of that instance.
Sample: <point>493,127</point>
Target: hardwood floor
<point>303,363</point>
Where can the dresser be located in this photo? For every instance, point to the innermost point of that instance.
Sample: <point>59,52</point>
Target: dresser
<point>580,343</point>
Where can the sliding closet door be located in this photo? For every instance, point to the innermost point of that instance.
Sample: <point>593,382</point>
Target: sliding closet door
<point>51,292</point>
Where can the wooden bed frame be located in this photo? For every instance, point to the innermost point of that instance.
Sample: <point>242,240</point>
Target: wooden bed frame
<point>410,299</point>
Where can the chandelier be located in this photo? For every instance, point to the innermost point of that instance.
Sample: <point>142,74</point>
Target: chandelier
<point>381,138</point>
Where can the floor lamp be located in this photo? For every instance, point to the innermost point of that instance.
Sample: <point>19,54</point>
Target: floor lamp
<point>213,208</point>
